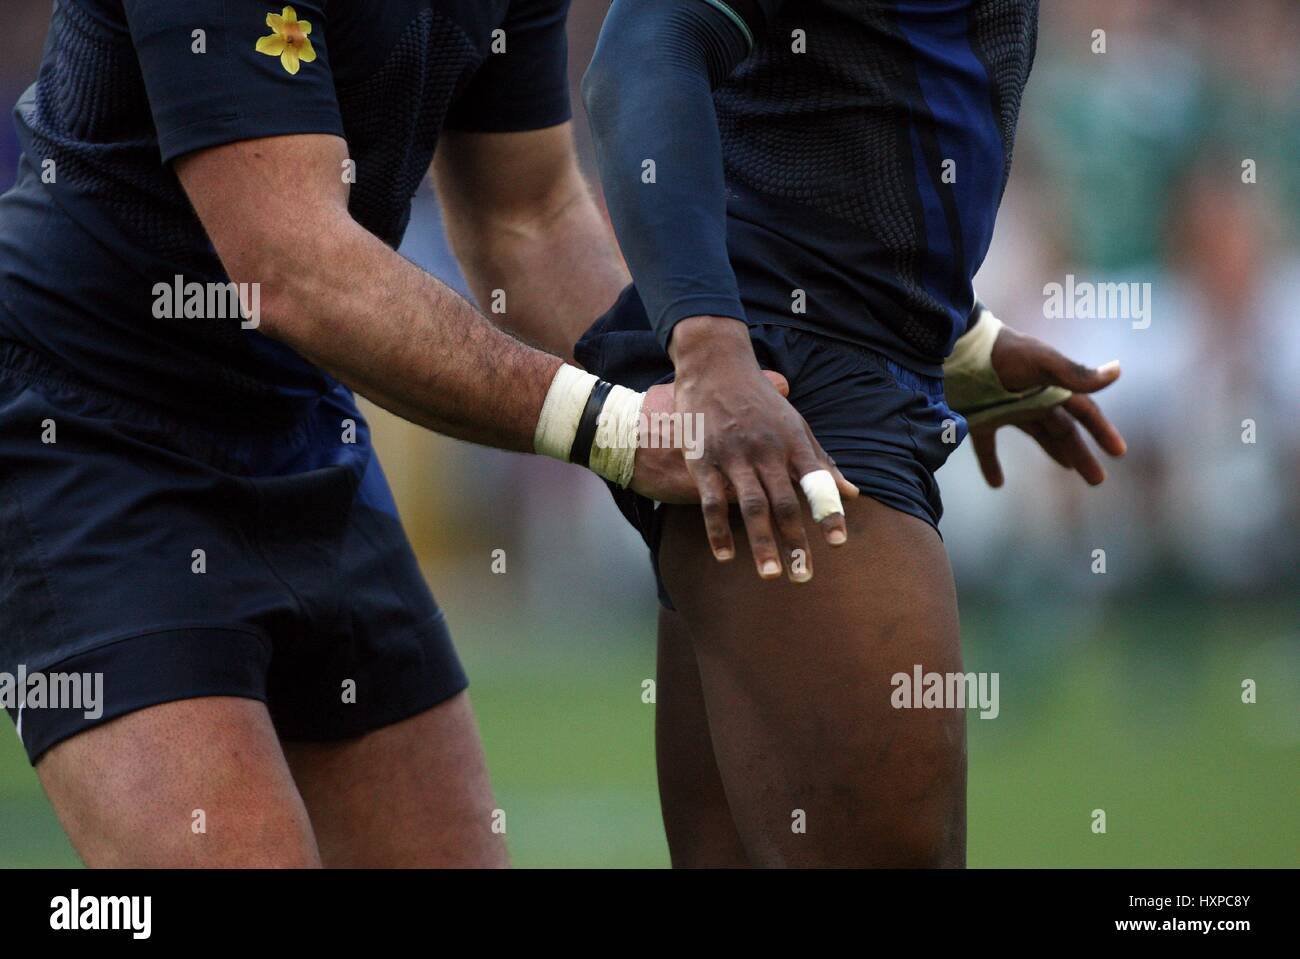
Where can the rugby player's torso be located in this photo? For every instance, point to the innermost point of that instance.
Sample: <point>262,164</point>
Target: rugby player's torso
<point>835,69</point>
<point>878,133</point>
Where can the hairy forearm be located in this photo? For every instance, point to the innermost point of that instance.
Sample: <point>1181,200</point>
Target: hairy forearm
<point>404,340</point>
<point>544,278</point>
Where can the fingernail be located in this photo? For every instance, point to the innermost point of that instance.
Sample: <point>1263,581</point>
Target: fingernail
<point>771,568</point>
<point>801,576</point>
<point>1106,368</point>
<point>837,537</point>
<point>723,555</point>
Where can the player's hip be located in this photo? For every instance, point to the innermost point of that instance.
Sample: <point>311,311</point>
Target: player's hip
<point>887,428</point>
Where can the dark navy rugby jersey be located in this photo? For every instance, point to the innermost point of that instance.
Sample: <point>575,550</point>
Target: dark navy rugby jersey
<point>865,146</point>
<point>98,217</point>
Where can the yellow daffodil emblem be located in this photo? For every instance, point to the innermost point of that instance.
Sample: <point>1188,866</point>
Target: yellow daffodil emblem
<point>288,40</point>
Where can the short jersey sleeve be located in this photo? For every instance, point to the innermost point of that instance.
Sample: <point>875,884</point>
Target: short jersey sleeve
<point>524,82</point>
<point>218,71</point>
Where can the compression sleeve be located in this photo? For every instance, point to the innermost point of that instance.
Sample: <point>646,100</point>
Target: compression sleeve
<point>649,93</point>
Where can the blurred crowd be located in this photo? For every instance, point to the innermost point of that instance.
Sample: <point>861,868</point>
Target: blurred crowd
<point>1169,159</point>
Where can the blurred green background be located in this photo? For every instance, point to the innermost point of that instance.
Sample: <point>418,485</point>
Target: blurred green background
<point>1187,774</point>
<point>1119,691</point>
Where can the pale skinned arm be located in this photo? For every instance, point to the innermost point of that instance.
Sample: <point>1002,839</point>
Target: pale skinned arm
<point>522,220</point>
<point>276,211</point>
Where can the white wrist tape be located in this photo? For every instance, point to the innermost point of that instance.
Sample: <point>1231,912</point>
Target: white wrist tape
<point>972,387</point>
<point>613,449</point>
<point>823,495</point>
<point>558,423</point>
<point>613,453</point>
<point>968,377</point>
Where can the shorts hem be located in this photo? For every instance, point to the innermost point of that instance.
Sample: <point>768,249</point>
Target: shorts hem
<point>170,665</point>
<point>407,691</point>
<point>149,669</point>
<point>409,707</point>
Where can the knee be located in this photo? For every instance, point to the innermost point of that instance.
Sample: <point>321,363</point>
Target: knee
<point>701,845</point>
<point>904,839</point>
<point>256,839</point>
<point>919,842</point>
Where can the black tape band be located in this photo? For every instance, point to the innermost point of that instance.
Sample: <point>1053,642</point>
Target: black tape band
<point>580,452</point>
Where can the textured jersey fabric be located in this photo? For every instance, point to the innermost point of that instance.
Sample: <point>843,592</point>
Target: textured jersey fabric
<point>866,145</point>
<point>98,218</point>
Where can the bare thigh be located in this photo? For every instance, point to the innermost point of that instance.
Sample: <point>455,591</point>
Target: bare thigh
<point>697,817</point>
<point>413,794</point>
<point>198,782</point>
<point>819,768</point>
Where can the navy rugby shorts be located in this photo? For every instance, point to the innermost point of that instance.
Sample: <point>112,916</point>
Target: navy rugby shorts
<point>181,560</point>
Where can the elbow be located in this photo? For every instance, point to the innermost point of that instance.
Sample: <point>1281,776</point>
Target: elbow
<point>281,279</point>
<point>272,315</point>
<point>612,80</point>
<point>599,91</point>
<point>265,295</point>
<point>677,48</point>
